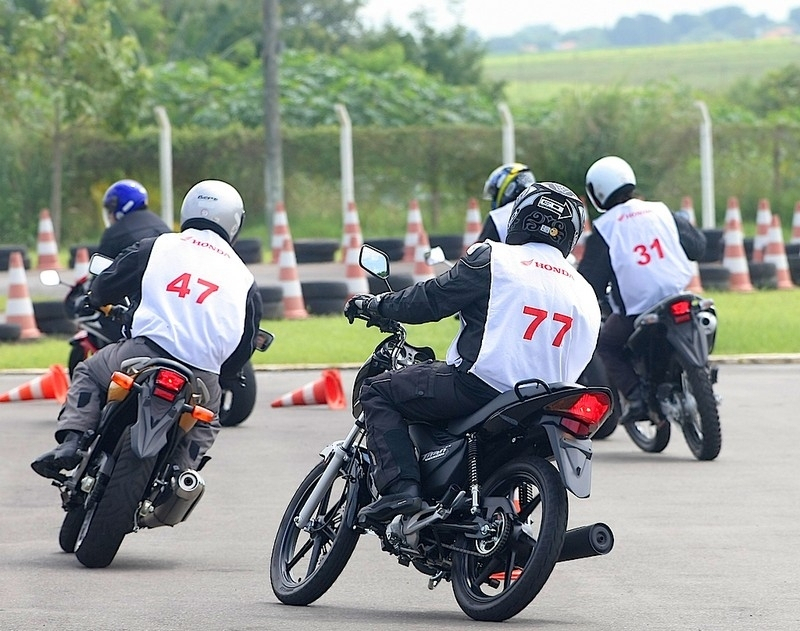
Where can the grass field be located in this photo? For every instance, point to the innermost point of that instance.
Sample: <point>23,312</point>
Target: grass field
<point>709,68</point>
<point>764,321</point>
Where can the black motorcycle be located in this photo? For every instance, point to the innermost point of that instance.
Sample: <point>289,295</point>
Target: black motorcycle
<point>494,517</point>
<point>127,479</point>
<point>670,346</point>
<point>95,331</point>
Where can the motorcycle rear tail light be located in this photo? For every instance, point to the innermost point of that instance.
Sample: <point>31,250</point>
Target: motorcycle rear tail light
<point>168,384</point>
<point>681,311</point>
<point>583,413</point>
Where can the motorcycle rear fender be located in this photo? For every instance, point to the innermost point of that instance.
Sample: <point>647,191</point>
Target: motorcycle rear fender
<point>155,419</point>
<point>689,342</point>
<point>573,457</point>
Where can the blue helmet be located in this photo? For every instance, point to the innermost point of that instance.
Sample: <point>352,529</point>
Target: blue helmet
<point>124,197</point>
<point>506,182</point>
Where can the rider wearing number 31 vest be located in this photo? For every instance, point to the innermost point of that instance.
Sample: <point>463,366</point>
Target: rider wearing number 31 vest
<point>642,251</point>
<point>525,313</point>
<point>193,299</point>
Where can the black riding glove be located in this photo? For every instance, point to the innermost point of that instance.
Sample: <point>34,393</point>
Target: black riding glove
<point>362,305</point>
<point>84,308</point>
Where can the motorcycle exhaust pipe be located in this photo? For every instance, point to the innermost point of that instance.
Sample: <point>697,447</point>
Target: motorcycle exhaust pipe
<point>181,498</point>
<point>587,541</point>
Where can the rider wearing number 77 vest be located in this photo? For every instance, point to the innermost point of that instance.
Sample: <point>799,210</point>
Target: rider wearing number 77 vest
<point>524,313</point>
<point>642,252</point>
<point>193,300</point>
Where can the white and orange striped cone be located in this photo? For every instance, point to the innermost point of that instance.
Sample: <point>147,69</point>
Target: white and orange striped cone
<point>734,257</point>
<point>422,270</point>
<point>763,224</point>
<point>19,308</point>
<point>413,230</point>
<point>81,267</point>
<point>580,246</point>
<point>472,229</point>
<point>775,253</point>
<point>280,231</point>
<point>46,247</point>
<point>294,307</point>
<point>51,385</point>
<point>326,390</point>
<point>354,274</point>
<point>352,226</point>
<point>796,224</point>
<point>687,209</point>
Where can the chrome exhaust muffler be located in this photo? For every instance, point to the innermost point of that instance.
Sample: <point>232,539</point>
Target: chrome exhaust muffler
<point>175,503</point>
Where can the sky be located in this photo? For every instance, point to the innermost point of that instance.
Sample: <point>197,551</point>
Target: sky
<point>494,18</point>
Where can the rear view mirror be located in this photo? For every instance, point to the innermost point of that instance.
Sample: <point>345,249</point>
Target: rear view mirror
<point>264,340</point>
<point>374,261</point>
<point>49,278</point>
<point>99,263</point>
<point>435,256</point>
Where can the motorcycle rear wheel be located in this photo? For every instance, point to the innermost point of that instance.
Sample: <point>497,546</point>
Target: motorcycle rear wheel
<point>700,423</point>
<point>304,565</point>
<point>496,587</point>
<point>114,515</point>
<point>242,399</point>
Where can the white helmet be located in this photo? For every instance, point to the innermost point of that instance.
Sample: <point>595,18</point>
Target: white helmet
<point>216,202</point>
<point>605,177</point>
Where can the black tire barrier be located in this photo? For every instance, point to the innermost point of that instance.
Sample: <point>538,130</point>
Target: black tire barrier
<point>10,332</point>
<point>271,302</point>
<point>393,248</point>
<point>452,245</point>
<point>714,276</point>
<point>249,250</point>
<point>324,297</point>
<point>792,249</point>
<point>397,281</point>
<point>73,251</point>
<point>763,275</point>
<point>50,318</point>
<point>715,245</point>
<point>7,250</point>
<point>315,250</point>
<point>271,293</point>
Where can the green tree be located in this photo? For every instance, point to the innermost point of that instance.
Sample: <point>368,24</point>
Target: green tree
<point>68,71</point>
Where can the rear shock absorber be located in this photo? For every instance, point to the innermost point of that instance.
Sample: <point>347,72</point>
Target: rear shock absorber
<point>472,471</point>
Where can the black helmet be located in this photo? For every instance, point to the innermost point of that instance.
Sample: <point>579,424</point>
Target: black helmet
<point>506,182</point>
<point>547,212</point>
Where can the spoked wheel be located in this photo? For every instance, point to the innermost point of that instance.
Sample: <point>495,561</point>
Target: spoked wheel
<point>650,435</point>
<point>114,515</point>
<point>305,564</point>
<point>700,418</point>
<point>501,575</point>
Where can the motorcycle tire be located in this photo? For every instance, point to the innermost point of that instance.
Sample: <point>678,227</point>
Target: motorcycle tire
<point>595,375</point>
<point>113,516</point>
<point>502,582</point>
<point>70,528</point>
<point>652,437</point>
<point>700,425</point>
<point>241,400</point>
<point>302,571</point>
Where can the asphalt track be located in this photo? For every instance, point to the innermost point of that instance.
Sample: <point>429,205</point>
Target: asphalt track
<point>699,545</point>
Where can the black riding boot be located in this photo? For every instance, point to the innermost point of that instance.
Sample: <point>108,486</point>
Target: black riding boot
<point>64,456</point>
<point>401,498</point>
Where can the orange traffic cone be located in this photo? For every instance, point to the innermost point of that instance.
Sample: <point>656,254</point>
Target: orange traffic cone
<point>413,230</point>
<point>46,246</point>
<point>473,224</point>
<point>51,385</point>
<point>294,306</point>
<point>327,389</point>
<point>763,223</point>
<point>19,308</point>
<point>354,273</point>
<point>81,268</point>
<point>775,253</point>
<point>280,230</point>
<point>796,224</point>
<point>734,257</point>
<point>422,270</point>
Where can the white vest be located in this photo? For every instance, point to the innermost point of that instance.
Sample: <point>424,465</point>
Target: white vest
<point>645,252</point>
<point>542,322</point>
<point>500,217</point>
<point>194,298</point>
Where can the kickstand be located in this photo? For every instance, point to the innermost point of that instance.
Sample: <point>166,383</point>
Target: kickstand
<point>434,581</point>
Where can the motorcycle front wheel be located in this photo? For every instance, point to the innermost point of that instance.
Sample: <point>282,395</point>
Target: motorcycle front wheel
<point>498,578</point>
<point>70,528</point>
<point>114,515</point>
<point>700,423</point>
<point>306,563</point>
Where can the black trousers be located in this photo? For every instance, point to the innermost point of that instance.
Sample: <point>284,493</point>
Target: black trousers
<point>433,392</point>
<point>616,358</point>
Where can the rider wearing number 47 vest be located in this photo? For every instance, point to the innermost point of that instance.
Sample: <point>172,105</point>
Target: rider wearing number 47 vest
<point>525,313</point>
<point>193,299</point>
<point>642,252</point>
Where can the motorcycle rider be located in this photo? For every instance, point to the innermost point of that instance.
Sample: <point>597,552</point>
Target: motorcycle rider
<point>194,300</point>
<point>642,251</point>
<point>524,311</point>
<point>502,187</point>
